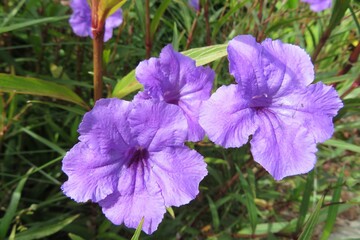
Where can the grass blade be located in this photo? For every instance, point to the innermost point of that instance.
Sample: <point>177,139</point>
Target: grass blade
<point>333,209</point>
<point>138,230</point>
<point>312,222</point>
<point>11,210</point>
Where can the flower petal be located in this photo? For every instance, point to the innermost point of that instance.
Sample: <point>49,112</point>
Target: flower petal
<point>286,67</point>
<point>106,127</point>
<point>139,196</point>
<point>130,209</point>
<point>92,176</point>
<point>318,5</point>
<point>227,118</point>
<point>244,55</point>
<point>191,112</point>
<point>283,148</point>
<point>314,107</point>
<point>112,22</point>
<point>157,125</point>
<point>178,172</point>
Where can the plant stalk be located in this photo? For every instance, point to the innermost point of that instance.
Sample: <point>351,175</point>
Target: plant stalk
<point>98,30</point>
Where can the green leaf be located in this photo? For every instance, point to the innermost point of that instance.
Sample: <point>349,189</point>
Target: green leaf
<point>33,86</point>
<point>11,209</point>
<point>250,202</point>
<point>333,209</point>
<point>158,14</point>
<point>44,229</point>
<point>305,200</point>
<point>214,213</point>
<point>342,145</point>
<point>338,12</point>
<point>26,24</point>
<point>202,56</point>
<point>138,230</point>
<point>312,222</point>
<point>108,7</point>
<point>44,141</point>
<point>171,212</point>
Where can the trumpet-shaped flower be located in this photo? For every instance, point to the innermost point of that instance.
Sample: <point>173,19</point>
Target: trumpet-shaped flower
<point>132,160</point>
<point>275,102</point>
<point>175,79</point>
<point>80,20</point>
<point>318,5</point>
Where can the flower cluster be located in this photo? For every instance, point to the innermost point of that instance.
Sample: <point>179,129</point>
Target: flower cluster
<point>80,20</point>
<point>318,5</point>
<point>132,158</point>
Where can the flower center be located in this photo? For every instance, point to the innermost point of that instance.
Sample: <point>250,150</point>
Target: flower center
<point>171,97</point>
<point>138,154</point>
<point>260,101</point>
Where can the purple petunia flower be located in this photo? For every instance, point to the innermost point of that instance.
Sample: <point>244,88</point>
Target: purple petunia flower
<point>275,102</point>
<point>175,79</point>
<point>195,4</point>
<point>132,160</point>
<point>80,20</point>
<point>318,5</point>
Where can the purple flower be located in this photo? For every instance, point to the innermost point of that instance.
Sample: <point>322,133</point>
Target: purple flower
<point>275,102</point>
<point>195,4</point>
<point>132,160</point>
<point>175,79</point>
<point>80,20</point>
<point>318,5</point>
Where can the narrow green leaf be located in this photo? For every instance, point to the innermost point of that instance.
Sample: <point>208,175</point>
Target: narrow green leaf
<point>11,209</point>
<point>108,7</point>
<point>214,213</point>
<point>13,13</point>
<point>304,207</point>
<point>41,230</point>
<point>171,212</point>
<point>48,143</point>
<point>138,230</point>
<point>249,203</point>
<point>338,12</point>
<point>157,17</point>
<point>312,222</point>
<point>33,86</point>
<point>333,209</point>
<point>342,145</point>
<point>26,24</point>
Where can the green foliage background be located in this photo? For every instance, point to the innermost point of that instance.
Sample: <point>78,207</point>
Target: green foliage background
<point>46,85</point>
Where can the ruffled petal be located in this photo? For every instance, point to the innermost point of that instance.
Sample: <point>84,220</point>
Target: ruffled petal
<point>227,118</point>
<point>313,107</point>
<point>178,172</point>
<point>80,23</point>
<point>130,209</point>
<point>80,20</point>
<point>157,125</point>
<point>92,176</point>
<point>191,112</point>
<point>106,127</point>
<point>112,22</point>
<point>245,58</point>
<point>286,67</point>
<point>284,148</point>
